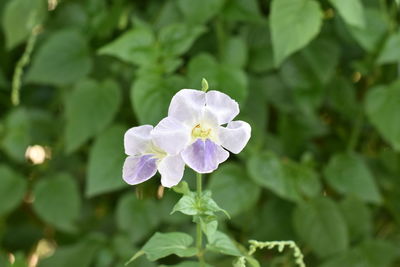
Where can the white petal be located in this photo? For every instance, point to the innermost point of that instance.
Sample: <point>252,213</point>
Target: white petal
<point>186,105</point>
<point>171,135</point>
<point>224,107</point>
<point>171,169</point>
<point>204,156</point>
<point>235,136</point>
<point>137,139</point>
<point>138,169</point>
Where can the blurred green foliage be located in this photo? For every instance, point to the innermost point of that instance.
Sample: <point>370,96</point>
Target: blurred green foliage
<point>318,80</point>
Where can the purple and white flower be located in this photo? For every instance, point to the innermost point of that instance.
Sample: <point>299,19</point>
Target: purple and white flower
<point>193,129</point>
<point>145,158</point>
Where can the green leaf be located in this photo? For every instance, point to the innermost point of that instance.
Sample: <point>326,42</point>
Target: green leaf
<point>293,25</point>
<point>287,179</point>
<point>63,59</point>
<point>161,245</point>
<point>79,254</point>
<point>369,254</point>
<point>232,189</point>
<point>191,204</point>
<point>89,109</point>
<point>17,134</point>
<point>383,112</point>
<point>375,29</point>
<point>57,201</point>
<point>176,39</point>
<point>199,12</point>
<point>243,11</point>
<point>187,205</point>
<point>320,224</point>
<point>348,174</point>
<point>186,264</point>
<point>19,19</point>
<point>235,52</point>
<point>221,243</point>
<point>151,94</point>
<point>390,52</point>
<point>106,158</point>
<point>143,214</point>
<point>352,11</point>
<point>12,189</point>
<point>136,46</point>
<point>358,218</point>
<point>222,77</point>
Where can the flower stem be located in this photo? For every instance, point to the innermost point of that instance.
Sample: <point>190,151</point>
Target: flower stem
<point>199,238</point>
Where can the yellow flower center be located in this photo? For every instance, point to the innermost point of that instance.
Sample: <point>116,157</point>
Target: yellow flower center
<point>201,131</point>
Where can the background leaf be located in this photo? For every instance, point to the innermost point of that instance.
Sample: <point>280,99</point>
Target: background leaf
<point>293,26</point>
<point>105,171</point>
<point>12,189</point>
<point>320,224</point>
<point>57,201</point>
<point>89,109</point>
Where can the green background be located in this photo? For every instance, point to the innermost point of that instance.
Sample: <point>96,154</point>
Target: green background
<point>317,80</point>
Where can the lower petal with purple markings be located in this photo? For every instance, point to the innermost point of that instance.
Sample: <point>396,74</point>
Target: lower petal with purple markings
<point>204,156</point>
<point>138,169</point>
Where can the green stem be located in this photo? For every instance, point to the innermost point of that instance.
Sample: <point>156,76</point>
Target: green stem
<point>22,62</point>
<point>199,238</point>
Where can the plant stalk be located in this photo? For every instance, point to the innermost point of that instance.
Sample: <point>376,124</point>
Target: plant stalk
<point>199,237</point>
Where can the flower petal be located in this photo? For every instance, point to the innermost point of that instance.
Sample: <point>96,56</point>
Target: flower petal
<point>235,136</point>
<point>138,169</point>
<point>204,156</point>
<point>171,135</point>
<point>186,105</point>
<point>223,107</point>
<point>171,169</point>
<point>137,139</point>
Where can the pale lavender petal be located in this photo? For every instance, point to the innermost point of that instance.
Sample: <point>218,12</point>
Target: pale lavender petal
<point>223,107</point>
<point>235,136</point>
<point>137,139</point>
<point>171,135</point>
<point>171,169</point>
<point>204,156</point>
<point>186,105</point>
<point>138,169</point>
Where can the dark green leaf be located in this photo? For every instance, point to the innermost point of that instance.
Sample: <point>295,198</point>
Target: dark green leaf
<point>57,201</point>
<point>348,174</point>
<point>382,110</point>
<point>176,39</point>
<point>63,59</point>
<point>80,254</point>
<point>358,218</point>
<point>106,158</point>
<point>17,134</point>
<point>370,36</point>
<point>351,11</point>
<point>222,77</point>
<point>370,254</point>
<point>136,46</point>
<point>89,109</point>
<point>232,189</point>
<point>161,245</point>
<point>390,52</point>
<point>150,96</point>
<point>320,224</point>
<point>12,189</point>
<point>199,12</point>
<point>142,214</point>
<point>286,178</point>
<point>293,26</point>
<point>19,19</point>
<point>221,243</point>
